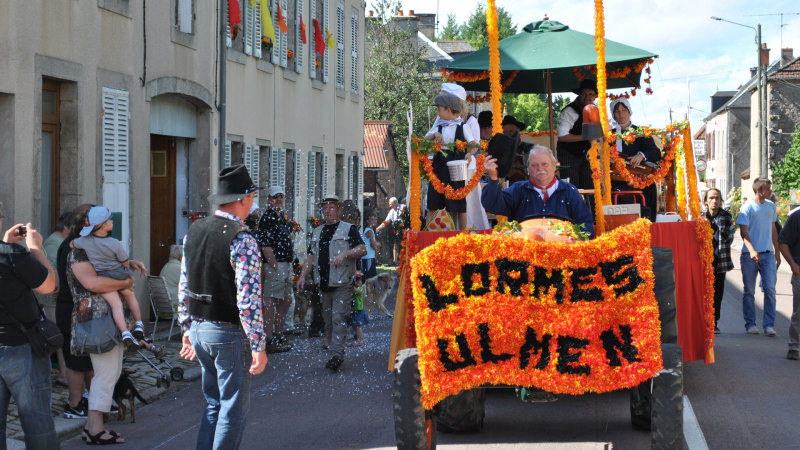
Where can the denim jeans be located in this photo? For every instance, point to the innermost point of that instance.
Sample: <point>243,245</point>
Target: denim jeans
<point>766,266</point>
<point>26,377</point>
<point>794,326</point>
<point>222,351</point>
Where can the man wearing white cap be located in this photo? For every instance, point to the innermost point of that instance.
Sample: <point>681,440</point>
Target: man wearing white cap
<point>274,238</point>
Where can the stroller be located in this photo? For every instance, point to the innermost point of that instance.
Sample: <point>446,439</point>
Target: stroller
<point>156,360</point>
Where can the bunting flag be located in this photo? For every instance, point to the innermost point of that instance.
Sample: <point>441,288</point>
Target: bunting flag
<point>267,29</point>
<point>329,41</point>
<point>234,17</point>
<point>319,41</point>
<point>303,30</point>
<point>281,21</point>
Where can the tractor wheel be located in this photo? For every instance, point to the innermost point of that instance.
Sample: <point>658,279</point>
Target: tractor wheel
<point>641,402</point>
<point>666,416</point>
<point>414,427</point>
<point>462,412</point>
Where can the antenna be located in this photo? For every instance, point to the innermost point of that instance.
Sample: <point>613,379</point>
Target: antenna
<point>782,24</point>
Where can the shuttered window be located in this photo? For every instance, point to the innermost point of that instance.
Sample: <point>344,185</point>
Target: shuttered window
<point>251,162</point>
<point>312,53</point>
<point>300,48</point>
<point>312,177</point>
<point>354,79</point>
<point>184,16</point>
<point>340,45</point>
<point>252,28</point>
<point>116,156</point>
<point>325,29</point>
<point>296,191</point>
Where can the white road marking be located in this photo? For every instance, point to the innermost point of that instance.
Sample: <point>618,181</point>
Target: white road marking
<point>691,428</point>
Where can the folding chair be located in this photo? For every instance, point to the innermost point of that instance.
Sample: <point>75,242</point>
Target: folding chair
<point>164,305</point>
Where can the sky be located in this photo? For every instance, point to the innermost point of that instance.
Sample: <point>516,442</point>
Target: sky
<point>713,55</point>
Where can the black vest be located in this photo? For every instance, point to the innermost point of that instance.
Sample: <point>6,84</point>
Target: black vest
<point>210,276</point>
<point>575,148</point>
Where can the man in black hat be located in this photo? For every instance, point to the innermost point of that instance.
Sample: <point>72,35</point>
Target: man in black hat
<point>219,296</point>
<point>513,129</point>
<point>332,253</point>
<point>571,147</point>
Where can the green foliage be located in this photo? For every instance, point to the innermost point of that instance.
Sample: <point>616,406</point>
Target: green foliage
<point>450,32</point>
<point>786,173</point>
<point>394,75</point>
<point>474,30</point>
<point>531,109</point>
<point>735,201</point>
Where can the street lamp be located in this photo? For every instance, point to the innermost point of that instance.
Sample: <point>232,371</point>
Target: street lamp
<point>762,157</point>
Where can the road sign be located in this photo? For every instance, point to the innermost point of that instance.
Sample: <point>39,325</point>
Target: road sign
<point>700,165</point>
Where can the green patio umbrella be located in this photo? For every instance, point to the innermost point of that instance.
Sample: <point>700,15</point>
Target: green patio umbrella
<point>550,46</point>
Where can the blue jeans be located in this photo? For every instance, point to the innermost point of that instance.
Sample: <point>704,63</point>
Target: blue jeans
<point>766,266</point>
<point>221,351</point>
<point>26,377</point>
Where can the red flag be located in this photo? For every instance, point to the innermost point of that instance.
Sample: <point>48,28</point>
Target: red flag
<point>234,17</point>
<point>281,21</point>
<point>319,40</point>
<point>303,30</point>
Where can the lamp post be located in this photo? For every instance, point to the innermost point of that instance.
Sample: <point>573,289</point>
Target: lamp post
<point>762,157</point>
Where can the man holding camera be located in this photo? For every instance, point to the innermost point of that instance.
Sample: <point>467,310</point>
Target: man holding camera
<point>23,375</point>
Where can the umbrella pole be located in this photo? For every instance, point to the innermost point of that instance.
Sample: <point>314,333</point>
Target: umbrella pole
<point>550,112</point>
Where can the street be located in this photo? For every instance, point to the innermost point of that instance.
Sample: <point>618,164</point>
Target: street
<point>747,399</point>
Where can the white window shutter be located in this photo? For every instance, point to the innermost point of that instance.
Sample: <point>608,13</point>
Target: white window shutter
<point>255,168</point>
<point>360,173</point>
<point>226,158</point>
<point>185,16</point>
<point>350,172</point>
<point>312,52</point>
<point>274,166</point>
<point>297,177</point>
<point>276,46</point>
<point>312,176</point>
<point>116,154</point>
<point>282,168</point>
<point>340,45</point>
<point>249,27</point>
<point>228,35</point>
<point>300,48</point>
<point>258,30</point>
<point>354,85</point>
<point>325,174</point>
<point>325,26</point>
<point>284,36</point>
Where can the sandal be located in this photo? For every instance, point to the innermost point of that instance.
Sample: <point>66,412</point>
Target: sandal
<point>98,439</point>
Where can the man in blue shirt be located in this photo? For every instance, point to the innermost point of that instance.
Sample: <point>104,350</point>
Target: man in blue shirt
<point>756,222</point>
<point>542,193</point>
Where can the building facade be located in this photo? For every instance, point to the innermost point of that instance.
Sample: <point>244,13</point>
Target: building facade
<point>117,102</point>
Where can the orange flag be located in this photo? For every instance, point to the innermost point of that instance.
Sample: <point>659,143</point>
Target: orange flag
<point>281,21</point>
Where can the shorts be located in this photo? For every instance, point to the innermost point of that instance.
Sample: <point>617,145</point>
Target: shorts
<point>117,273</point>
<point>437,201</point>
<point>276,283</point>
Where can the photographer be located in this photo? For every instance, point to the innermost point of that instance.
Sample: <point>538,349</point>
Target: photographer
<point>24,376</point>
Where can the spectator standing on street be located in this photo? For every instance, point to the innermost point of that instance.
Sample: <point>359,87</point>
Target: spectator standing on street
<point>789,243</point>
<point>333,251</point>
<point>391,218</point>
<point>219,298</point>
<point>756,222</point>
<point>373,246</point>
<point>274,238</point>
<point>722,224</point>
<point>24,376</point>
<point>172,270</point>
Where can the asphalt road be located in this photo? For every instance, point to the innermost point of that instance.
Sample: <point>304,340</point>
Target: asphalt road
<point>747,399</point>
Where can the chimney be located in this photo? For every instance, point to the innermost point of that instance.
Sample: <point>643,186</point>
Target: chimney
<point>787,55</point>
<point>764,55</point>
<point>753,72</point>
<point>410,12</point>
<point>399,13</point>
<point>371,13</point>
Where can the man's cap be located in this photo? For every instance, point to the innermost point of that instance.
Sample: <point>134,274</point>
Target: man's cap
<point>448,101</point>
<point>485,119</point>
<point>233,184</point>
<point>97,215</point>
<point>276,190</point>
<point>511,120</point>
<point>453,88</point>
<point>586,84</point>
<point>330,198</point>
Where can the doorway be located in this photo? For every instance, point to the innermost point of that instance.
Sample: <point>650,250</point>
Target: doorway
<point>162,199</point>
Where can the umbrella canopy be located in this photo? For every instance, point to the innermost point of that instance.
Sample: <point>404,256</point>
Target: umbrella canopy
<point>550,45</point>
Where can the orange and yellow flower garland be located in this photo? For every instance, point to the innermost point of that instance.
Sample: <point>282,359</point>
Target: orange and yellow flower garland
<point>538,133</point>
<point>451,324</point>
<point>495,90</point>
<point>670,145</point>
<point>620,73</point>
<point>485,98</point>
<point>596,180</point>
<point>705,240</point>
<point>414,200</point>
<point>600,46</point>
<point>680,186</point>
<point>464,77</point>
<point>691,174</point>
<point>446,189</point>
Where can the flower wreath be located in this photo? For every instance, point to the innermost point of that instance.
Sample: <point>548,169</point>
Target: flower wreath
<point>424,148</point>
<point>641,182</point>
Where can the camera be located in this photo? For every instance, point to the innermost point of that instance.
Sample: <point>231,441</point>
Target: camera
<point>22,231</point>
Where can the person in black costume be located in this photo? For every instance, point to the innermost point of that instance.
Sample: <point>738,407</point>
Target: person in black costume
<point>571,148</point>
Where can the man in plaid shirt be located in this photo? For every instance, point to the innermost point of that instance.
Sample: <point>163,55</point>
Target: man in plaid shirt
<point>722,224</point>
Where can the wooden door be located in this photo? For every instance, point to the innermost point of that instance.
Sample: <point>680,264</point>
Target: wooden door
<point>162,200</point>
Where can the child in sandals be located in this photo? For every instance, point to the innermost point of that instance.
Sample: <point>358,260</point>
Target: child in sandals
<point>109,259</point>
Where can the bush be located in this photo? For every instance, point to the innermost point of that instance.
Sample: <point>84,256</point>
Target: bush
<point>786,172</point>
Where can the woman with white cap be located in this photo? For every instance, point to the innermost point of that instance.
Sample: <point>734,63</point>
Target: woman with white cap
<point>642,150</point>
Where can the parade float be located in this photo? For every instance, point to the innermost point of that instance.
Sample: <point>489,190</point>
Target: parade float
<point>535,307</point>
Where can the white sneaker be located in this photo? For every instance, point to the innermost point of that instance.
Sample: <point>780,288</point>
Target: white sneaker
<point>752,330</point>
<point>769,331</point>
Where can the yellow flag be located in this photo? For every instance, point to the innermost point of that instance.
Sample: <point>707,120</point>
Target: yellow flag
<point>329,41</point>
<point>266,21</point>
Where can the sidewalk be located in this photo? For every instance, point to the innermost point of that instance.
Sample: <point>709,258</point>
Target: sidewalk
<point>145,379</point>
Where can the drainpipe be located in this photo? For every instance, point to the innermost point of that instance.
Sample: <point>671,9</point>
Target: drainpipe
<point>222,80</point>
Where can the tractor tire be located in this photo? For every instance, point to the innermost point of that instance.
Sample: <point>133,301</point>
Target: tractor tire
<point>641,404</point>
<point>414,427</point>
<point>462,412</point>
<point>664,271</point>
<point>666,418</point>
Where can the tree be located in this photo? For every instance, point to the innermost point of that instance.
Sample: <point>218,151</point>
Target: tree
<point>474,30</point>
<point>395,74</point>
<point>450,30</point>
<point>786,172</point>
<point>531,109</point>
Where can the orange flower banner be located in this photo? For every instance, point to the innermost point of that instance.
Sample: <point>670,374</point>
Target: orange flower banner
<point>567,318</point>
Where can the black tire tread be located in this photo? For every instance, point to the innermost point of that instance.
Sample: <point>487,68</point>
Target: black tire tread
<point>667,407</point>
<point>409,415</point>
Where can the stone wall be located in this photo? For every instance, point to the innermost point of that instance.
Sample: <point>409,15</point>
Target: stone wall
<point>783,98</point>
